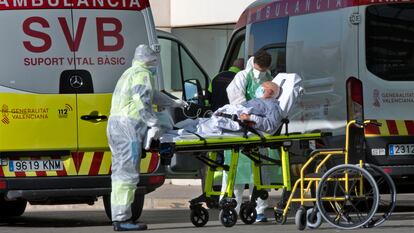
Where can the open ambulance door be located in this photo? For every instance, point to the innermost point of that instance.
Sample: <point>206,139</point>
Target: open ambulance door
<point>184,78</point>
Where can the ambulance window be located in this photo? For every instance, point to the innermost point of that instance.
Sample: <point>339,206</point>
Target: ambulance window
<point>179,65</point>
<point>170,64</point>
<point>191,70</point>
<point>236,50</point>
<point>267,33</point>
<point>390,41</point>
<point>278,60</point>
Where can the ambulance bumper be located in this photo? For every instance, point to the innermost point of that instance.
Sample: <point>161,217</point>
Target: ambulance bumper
<point>70,188</point>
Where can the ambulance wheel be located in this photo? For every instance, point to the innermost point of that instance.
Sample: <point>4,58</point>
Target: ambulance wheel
<point>313,218</point>
<point>136,206</point>
<point>248,213</point>
<point>279,217</point>
<point>300,218</point>
<point>199,216</point>
<point>12,208</point>
<point>228,217</point>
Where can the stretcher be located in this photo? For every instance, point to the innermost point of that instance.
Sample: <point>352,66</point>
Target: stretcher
<point>249,142</point>
<point>236,142</point>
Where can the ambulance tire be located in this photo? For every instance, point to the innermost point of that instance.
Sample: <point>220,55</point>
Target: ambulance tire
<point>12,208</point>
<point>136,207</point>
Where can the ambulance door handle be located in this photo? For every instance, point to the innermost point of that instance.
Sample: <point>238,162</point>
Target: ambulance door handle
<point>94,118</point>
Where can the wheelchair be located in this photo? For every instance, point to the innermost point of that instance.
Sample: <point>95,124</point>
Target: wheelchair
<point>346,196</point>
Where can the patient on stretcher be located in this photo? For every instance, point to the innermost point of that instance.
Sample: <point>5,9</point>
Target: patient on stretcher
<point>266,113</point>
<point>263,113</point>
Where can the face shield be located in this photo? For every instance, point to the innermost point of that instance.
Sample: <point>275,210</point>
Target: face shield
<point>148,57</point>
<point>144,54</point>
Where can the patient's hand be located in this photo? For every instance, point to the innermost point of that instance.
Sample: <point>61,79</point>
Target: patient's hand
<point>244,117</point>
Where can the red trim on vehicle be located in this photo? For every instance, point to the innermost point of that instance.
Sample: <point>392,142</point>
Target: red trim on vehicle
<point>20,174</point>
<point>74,4</point>
<point>372,129</point>
<point>392,127</point>
<point>1,171</point>
<point>153,163</point>
<point>284,8</point>
<point>78,157</point>
<point>410,127</point>
<point>96,163</point>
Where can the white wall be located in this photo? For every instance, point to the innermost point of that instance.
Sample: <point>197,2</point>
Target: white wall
<point>204,26</point>
<point>207,44</point>
<point>185,13</point>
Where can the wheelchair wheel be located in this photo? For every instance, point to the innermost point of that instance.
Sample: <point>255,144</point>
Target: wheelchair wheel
<point>279,217</point>
<point>300,218</point>
<point>199,216</point>
<point>228,217</point>
<point>248,213</point>
<point>351,204</point>
<point>313,218</point>
<point>388,195</point>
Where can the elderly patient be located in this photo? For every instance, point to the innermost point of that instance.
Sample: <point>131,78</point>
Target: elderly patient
<point>264,111</point>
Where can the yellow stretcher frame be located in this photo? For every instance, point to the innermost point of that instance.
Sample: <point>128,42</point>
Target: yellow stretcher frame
<point>217,143</point>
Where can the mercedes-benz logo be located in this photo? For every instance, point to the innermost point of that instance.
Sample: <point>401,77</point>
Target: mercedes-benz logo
<point>76,81</point>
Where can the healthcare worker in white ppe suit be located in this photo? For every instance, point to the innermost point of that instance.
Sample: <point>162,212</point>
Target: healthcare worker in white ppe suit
<point>243,88</point>
<point>130,118</point>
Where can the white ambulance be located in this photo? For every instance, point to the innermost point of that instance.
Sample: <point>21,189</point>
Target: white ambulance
<point>328,42</point>
<point>60,61</point>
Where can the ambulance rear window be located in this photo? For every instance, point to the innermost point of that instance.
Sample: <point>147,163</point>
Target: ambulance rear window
<point>390,41</point>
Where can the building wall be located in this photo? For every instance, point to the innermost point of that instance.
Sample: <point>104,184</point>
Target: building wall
<point>186,13</point>
<point>205,26</point>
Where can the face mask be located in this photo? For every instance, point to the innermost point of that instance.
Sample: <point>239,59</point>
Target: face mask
<point>257,74</point>
<point>259,92</point>
<point>153,70</point>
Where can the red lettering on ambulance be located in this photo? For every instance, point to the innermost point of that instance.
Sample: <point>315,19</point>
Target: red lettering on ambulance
<point>40,35</point>
<point>115,33</point>
<point>73,43</point>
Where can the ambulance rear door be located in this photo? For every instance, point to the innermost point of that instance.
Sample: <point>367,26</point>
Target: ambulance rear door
<point>387,73</point>
<point>37,123</point>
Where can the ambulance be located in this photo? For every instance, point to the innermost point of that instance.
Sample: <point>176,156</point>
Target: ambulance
<point>60,61</point>
<point>335,43</point>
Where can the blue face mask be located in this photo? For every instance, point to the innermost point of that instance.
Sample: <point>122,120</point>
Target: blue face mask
<point>153,70</point>
<point>259,92</point>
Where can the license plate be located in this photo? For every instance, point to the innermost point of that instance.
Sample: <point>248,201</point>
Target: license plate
<point>401,149</point>
<point>35,165</point>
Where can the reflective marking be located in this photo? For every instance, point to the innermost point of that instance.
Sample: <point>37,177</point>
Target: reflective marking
<point>86,163</point>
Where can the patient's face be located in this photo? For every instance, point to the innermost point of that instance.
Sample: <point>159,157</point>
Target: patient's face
<point>270,90</point>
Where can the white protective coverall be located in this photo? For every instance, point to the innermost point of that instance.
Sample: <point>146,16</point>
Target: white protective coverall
<point>131,116</point>
<point>236,92</point>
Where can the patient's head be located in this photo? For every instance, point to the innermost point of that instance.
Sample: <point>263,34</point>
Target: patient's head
<point>268,90</point>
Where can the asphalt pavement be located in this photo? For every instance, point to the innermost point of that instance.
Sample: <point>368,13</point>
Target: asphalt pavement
<point>166,210</point>
<point>168,196</point>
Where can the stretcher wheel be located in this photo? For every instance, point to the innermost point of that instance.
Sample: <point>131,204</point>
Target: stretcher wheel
<point>300,218</point>
<point>388,197</point>
<point>228,217</point>
<point>248,213</point>
<point>279,217</point>
<point>313,218</point>
<point>347,204</point>
<point>199,216</point>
